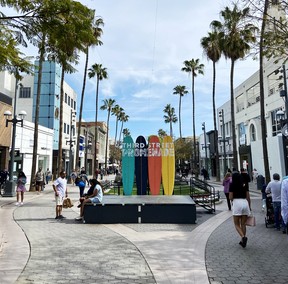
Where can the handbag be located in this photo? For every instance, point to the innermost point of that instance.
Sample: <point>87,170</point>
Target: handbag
<point>67,203</point>
<point>251,221</point>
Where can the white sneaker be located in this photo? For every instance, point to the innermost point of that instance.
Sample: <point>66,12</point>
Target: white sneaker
<point>17,203</point>
<point>79,218</point>
<point>21,203</point>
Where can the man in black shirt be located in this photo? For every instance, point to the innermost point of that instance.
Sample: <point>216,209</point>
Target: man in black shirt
<point>245,178</point>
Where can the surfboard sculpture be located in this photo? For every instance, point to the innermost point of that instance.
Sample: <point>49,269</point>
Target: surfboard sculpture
<point>141,165</point>
<point>168,165</point>
<point>154,164</point>
<point>128,165</point>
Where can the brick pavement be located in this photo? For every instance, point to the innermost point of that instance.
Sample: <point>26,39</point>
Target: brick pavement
<point>70,252</point>
<point>262,261</point>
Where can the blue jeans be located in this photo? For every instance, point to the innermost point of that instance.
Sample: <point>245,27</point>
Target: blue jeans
<point>277,214</point>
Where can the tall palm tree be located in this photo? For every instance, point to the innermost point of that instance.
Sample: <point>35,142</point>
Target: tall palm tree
<point>170,116</point>
<point>181,91</point>
<point>212,48</point>
<point>262,96</point>
<point>100,73</point>
<point>194,67</point>
<point>108,105</point>
<point>116,110</point>
<point>239,34</point>
<point>94,41</point>
<point>123,118</point>
<point>162,133</point>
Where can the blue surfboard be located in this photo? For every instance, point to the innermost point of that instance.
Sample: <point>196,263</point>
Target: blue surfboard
<point>141,165</point>
<point>128,165</point>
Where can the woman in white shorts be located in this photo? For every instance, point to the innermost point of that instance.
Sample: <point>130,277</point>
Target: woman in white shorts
<point>240,197</point>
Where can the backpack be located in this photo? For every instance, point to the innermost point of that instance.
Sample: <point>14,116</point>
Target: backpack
<point>77,180</point>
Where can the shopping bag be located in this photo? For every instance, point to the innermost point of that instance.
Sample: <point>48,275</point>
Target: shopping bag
<point>251,221</point>
<point>67,203</point>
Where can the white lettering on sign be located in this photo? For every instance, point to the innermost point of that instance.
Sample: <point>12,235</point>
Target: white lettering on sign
<point>154,151</point>
<point>168,149</point>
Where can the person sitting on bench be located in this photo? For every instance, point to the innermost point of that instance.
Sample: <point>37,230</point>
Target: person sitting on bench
<point>95,197</point>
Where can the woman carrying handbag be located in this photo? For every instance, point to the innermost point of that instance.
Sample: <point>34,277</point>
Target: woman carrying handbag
<point>240,197</point>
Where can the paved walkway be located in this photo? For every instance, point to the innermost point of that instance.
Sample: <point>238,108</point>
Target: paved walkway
<point>36,248</point>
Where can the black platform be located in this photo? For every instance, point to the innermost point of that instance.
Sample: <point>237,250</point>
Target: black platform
<point>175,209</point>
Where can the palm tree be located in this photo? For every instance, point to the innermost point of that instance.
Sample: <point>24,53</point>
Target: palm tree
<point>170,117</point>
<point>181,91</point>
<point>126,132</point>
<point>116,110</point>
<point>100,73</point>
<point>212,48</point>
<point>94,41</point>
<point>194,67</point>
<point>262,102</point>
<point>238,33</point>
<point>123,118</point>
<point>162,133</point>
<point>108,105</point>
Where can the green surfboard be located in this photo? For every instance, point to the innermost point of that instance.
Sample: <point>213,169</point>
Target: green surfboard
<point>128,165</point>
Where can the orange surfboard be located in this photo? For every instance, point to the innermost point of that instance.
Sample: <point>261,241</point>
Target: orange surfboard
<point>168,165</point>
<point>154,164</point>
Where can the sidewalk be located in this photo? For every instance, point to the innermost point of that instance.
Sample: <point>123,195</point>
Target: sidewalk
<point>36,248</point>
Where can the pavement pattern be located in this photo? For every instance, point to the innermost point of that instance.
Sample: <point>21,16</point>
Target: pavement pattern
<point>36,248</point>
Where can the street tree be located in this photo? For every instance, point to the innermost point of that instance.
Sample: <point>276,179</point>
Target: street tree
<point>193,67</point>
<point>170,117</point>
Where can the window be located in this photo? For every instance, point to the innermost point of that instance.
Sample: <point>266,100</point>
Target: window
<point>74,105</point>
<point>71,103</point>
<point>25,92</point>
<point>68,129</point>
<point>64,127</point>
<point>66,98</point>
<point>252,133</point>
<point>276,124</point>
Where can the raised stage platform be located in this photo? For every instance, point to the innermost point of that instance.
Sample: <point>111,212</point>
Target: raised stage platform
<point>175,209</point>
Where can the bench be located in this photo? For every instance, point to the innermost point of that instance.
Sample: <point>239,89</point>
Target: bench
<point>106,185</point>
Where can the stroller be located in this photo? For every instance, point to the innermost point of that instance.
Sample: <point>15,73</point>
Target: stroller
<point>269,219</point>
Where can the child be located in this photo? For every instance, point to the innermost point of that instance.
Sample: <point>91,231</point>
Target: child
<point>21,181</point>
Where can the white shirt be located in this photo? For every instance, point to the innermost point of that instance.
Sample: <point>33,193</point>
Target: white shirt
<point>60,184</point>
<point>274,187</point>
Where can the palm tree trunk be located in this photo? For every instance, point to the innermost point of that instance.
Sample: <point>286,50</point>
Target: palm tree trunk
<point>106,148</point>
<point>37,106</point>
<point>116,131</point>
<point>122,123</point>
<point>193,123</point>
<point>262,103</point>
<point>180,116</point>
<point>81,108</point>
<point>60,161</point>
<point>234,143</point>
<point>215,126</point>
<point>96,127</point>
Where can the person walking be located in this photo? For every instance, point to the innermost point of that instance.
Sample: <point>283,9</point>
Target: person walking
<point>284,203</point>
<point>60,189</point>
<point>20,189</point>
<point>39,179</point>
<point>240,197</point>
<point>245,177</point>
<point>274,187</point>
<point>226,183</point>
<point>48,175</point>
<point>81,181</point>
<point>95,197</point>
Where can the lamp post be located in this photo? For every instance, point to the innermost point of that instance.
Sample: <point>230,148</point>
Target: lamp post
<point>205,146</point>
<point>223,138</point>
<point>70,142</point>
<point>10,186</point>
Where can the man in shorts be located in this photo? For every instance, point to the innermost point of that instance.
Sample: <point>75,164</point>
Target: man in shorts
<point>60,189</point>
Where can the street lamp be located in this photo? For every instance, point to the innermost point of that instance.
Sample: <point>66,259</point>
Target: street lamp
<point>205,146</point>
<point>223,139</point>
<point>10,185</point>
<point>70,142</point>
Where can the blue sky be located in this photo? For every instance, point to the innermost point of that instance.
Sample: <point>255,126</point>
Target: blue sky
<point>145,43</point>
